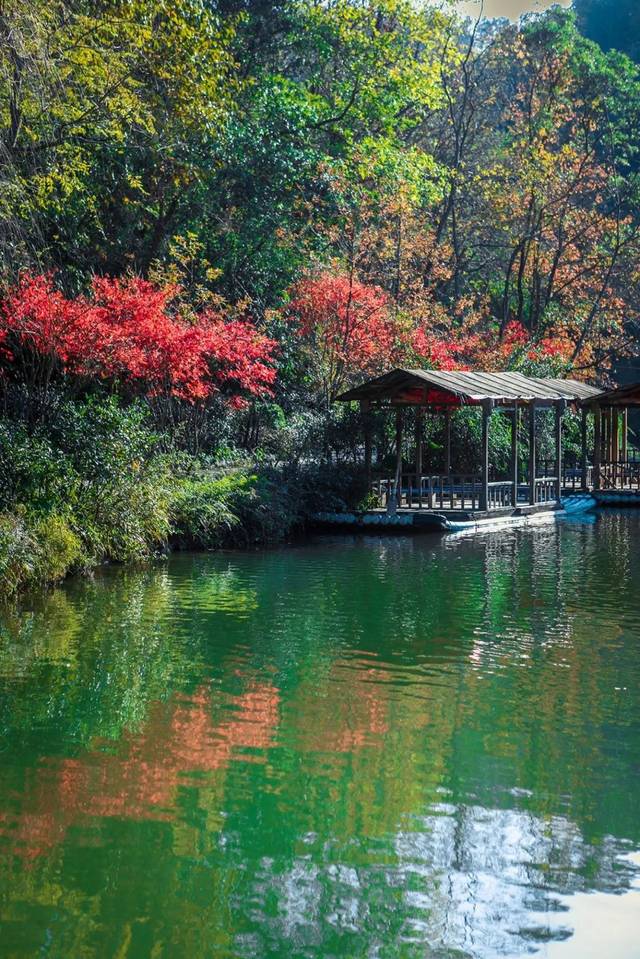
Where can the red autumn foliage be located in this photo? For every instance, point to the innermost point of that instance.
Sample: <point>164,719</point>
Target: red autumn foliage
<point>434,352</point>
<point>353,331</point>
<point>132,331</point>
<point>349,326</point>
<point>481,349</point>
<point>37,319</point>
<point>513,337</point>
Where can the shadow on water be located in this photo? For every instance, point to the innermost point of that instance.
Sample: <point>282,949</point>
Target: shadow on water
<point>355,747</point>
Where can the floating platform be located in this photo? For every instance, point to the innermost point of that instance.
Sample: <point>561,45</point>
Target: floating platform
<point>617,497</point>
<point>425,520</point>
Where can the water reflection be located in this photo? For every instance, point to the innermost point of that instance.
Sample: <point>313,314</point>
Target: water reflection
<point>374,747</point>
<point>179,745</point>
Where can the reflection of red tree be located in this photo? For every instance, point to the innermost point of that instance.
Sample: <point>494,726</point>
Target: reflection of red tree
<point>140,781</point>
<point>348,713</point>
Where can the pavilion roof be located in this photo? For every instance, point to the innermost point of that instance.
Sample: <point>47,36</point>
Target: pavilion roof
<point>623,396</point>
<point>459,387</point>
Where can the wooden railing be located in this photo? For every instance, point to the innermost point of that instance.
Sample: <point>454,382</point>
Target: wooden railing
<point>459,492</point>
<point>430,491</point>
<point>613,475</point>
<point>621,475</point>
<point>572,479</point>
<point>446,492</point>
<point>501,495</point>
<point>545,489</point>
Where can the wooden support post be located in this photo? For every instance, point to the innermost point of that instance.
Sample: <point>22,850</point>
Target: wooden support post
<point>399,431</point>
<point>532,453</point>
<point>615,434</point>
<point>625,435</point>
<point>560,406</point>
<point>611,436</point>
<point>514,453</point>
<point>487,406</point>
<point>597,445</point>
<point>365,410</point>
<point>583,451</point>
<point>447,442</point>
<point>418,440</point>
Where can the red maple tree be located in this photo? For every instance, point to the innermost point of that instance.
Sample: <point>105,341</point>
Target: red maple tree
<point>132,332</point>
<point>349,327</point>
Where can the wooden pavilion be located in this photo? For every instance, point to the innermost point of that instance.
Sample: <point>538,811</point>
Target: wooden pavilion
<point>613,467</point>
<point>442,393</point>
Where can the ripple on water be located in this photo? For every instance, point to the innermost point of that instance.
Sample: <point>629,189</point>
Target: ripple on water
<point>356,747</point>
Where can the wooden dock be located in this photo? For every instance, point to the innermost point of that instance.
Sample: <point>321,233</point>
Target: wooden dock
<point>433,520</point>
<point>412,498</point>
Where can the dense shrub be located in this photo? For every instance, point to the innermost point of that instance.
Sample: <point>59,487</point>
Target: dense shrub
<point>240,509</point>
<point>92,486</point>
<point>33,472</point>
<point>259,508</point>
<point>97,483</point>
<point>57,548</point>
<point>18,553</point>
<point>36,552</point>
<point>120,503</point>
<point>201,516</point>
<point>330,487</point>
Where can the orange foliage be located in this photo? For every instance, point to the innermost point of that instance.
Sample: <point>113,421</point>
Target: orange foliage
<point>141,780</point>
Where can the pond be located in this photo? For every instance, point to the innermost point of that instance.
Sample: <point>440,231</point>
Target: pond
<point>367,747</point>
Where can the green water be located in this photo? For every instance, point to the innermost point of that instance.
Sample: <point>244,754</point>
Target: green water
<point>355,748</point>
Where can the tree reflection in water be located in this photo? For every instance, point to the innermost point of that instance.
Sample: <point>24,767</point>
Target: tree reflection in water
<point>369,748</point>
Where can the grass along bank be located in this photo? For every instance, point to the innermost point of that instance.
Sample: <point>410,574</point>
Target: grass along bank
<point>100,486</point>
